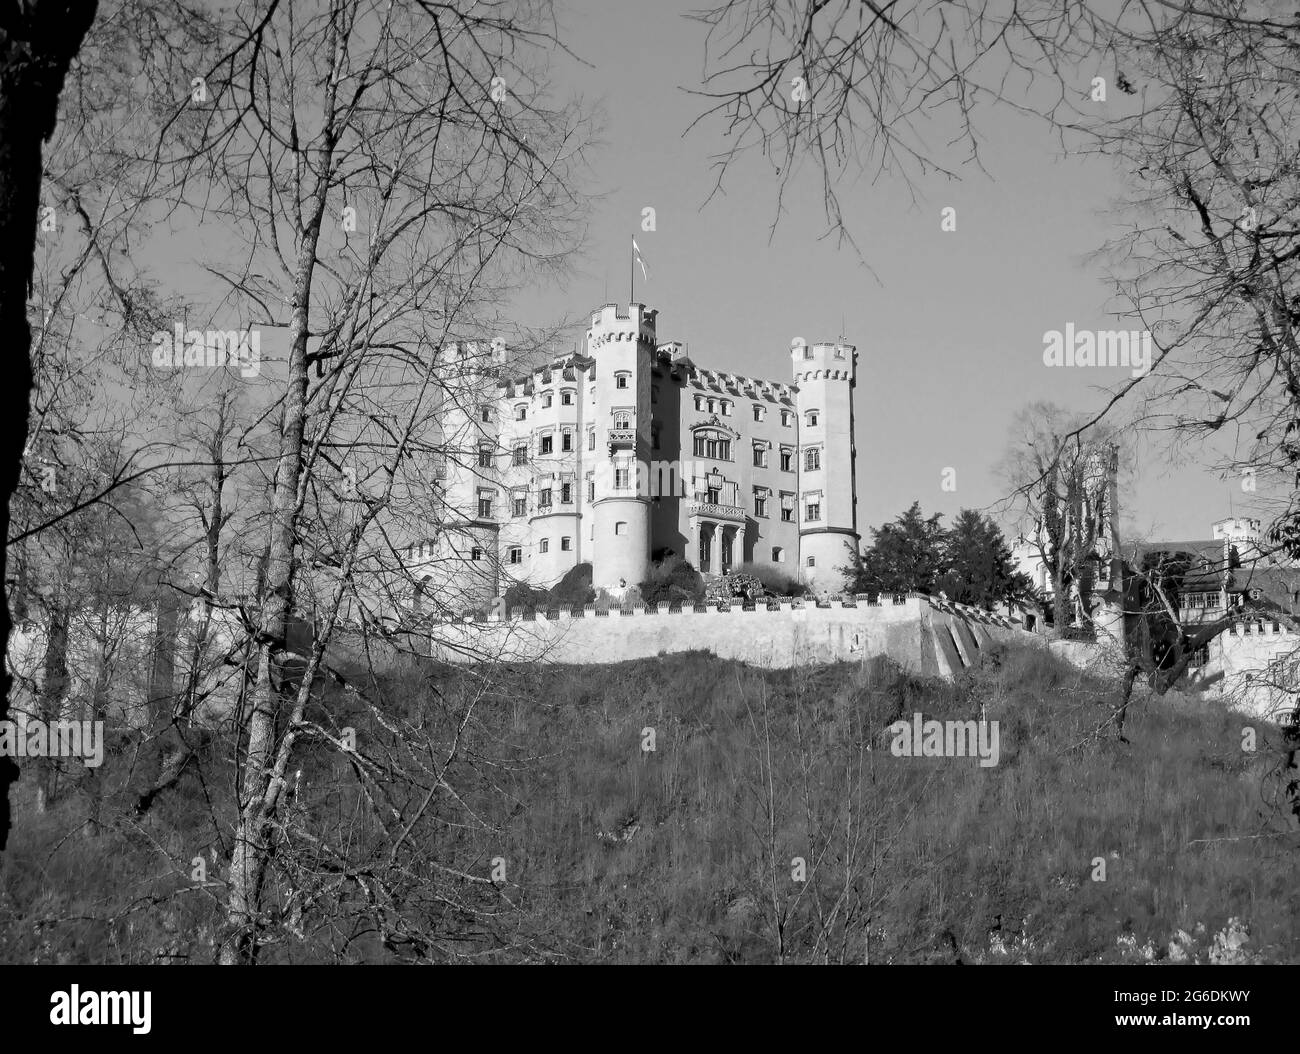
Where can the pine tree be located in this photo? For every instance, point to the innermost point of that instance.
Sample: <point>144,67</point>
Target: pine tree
<point>905,556</point>
<point>977,564</point>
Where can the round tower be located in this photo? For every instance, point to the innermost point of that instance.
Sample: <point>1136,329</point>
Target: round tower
<point>463,562</point>
<point>825,376</point>
<point>622,342</point>
<point>554,433</point>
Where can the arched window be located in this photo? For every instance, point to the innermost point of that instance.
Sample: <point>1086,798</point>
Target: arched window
<point>521,412</point>
<point>778,555</point>
<point>623,419</point>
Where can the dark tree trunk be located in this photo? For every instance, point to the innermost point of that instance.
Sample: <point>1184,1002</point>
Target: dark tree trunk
<point>37,43</point>
<point>54,689</point>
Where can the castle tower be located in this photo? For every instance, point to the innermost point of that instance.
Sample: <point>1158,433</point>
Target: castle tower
<point>548,421</point>
<point>460,558</point>
<point>826,375</point>
<point>621,340</point>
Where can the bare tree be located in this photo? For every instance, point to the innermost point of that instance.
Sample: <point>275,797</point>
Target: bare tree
<point>1064,493</point>
<point>387,172</point>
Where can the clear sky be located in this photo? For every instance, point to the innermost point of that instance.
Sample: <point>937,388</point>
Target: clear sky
<point>949,325</point>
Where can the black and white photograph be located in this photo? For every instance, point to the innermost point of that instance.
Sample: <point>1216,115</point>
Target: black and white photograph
<point>652,483</point>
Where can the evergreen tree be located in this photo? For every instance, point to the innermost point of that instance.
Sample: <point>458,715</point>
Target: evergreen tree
<point>977,564</point>
<point>906,555</point>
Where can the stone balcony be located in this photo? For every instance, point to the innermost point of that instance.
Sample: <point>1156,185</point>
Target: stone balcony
<point>621,438</point>
<point>716,511</point>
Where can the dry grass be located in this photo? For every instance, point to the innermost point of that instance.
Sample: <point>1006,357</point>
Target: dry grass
<point>683,853</point>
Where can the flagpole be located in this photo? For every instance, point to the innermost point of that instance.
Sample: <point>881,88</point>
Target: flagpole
<point>632,272</point>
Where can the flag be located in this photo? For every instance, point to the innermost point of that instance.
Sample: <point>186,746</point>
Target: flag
<point>636,255</point>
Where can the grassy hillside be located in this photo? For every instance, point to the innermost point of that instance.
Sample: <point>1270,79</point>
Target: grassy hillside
<point>611,852</point>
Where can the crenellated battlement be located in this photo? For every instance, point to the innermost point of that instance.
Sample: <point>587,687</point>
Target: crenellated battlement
<point>618,322</point>
<point>474,356</point>
<point>1259,628</point>
<point>824,361</point>
<point>927,636</point>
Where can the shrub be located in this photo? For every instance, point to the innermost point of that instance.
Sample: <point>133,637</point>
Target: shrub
<point>673,580</point>
<point>775,581</point>
<point>574,589</point>
<point>522,595</point>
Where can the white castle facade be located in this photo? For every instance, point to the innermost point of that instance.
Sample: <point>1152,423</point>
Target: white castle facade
<point>630,451</point>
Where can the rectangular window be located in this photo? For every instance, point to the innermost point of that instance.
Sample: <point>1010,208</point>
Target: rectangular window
<point>566,398</point>
<point>544,498</point>
<point>521,507</point>
<point>591,490</point>
<point>785,418</point>
<point>758,412</point>
<point>566,441</point>
<point>544,546</point>
<point>814,510</point>
<point>485,508</point>
<point>760,503</point>
<point>484,456</point>
<point>521,454</point>
<point>760,456</point>
<point>566,493</point>
<point>787,459</point>
<point>548,444</point>
<point>591,439</point>
<point>621,479</point>
<point>812,459</point>
<point>516,555</point>
<point>566,544</point>
<point>712,447</point>
<point>546,401</point>
<point>621,380</point>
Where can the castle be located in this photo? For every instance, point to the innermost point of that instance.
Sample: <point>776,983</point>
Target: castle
<point>630,452</point>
